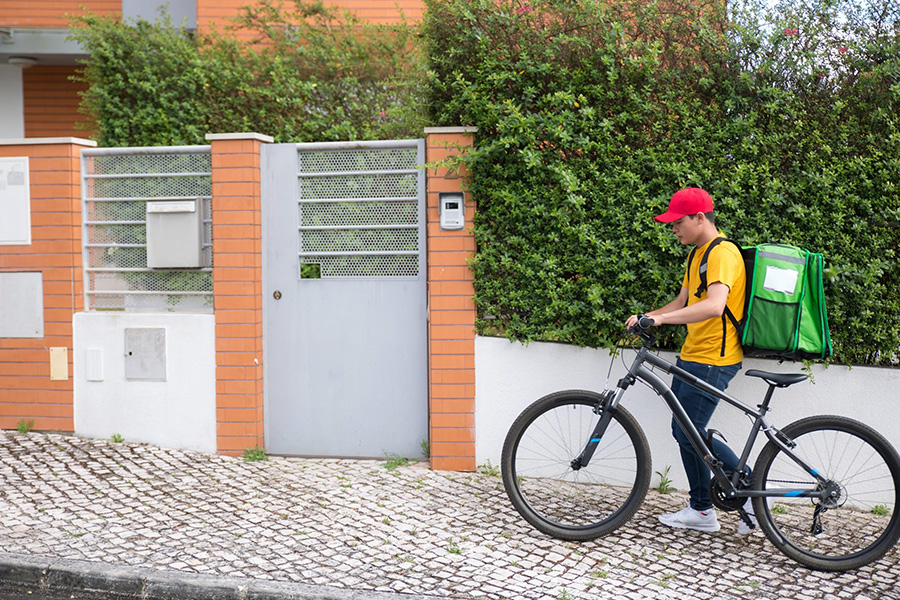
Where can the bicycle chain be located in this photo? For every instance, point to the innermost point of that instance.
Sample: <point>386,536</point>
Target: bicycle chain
<point>787,481</point>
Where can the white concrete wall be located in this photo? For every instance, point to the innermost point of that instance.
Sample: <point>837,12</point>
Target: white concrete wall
<point>12,117</point>
<point>509,376</point>
<point>179,412</point>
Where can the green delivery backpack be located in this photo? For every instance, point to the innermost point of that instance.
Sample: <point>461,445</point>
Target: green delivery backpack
<point>784,309</point>
<point>785,306</point>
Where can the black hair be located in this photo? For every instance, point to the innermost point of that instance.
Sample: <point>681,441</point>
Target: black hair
<point>710,216</point>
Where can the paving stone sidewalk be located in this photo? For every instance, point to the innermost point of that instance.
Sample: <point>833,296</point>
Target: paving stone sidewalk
<point>358,525</point>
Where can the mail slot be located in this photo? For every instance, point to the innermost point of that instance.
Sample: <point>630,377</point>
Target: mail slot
<point>174,234</point>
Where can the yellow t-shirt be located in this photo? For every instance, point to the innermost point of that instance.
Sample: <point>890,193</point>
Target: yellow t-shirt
<point>704,339</point>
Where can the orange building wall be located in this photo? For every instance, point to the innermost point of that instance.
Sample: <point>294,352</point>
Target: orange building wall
<point>26,391</point>
<point>50,13</point>
<point>216,13</point>
<point>51,102</point>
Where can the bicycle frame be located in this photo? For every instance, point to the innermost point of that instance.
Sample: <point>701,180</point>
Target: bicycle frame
<point>638,371</point>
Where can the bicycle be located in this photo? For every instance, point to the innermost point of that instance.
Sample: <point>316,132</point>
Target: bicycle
<point>576,466</point>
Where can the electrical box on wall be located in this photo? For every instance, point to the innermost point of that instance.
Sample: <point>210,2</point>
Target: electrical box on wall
<point>145,353</point>
<point>174,234</point>
<point>21,305</point>
<point>452,208</point>
<point>15,202</point>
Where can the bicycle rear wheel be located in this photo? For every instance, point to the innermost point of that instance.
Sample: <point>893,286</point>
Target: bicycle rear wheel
<point>855,526</point>
<point>555,498</point>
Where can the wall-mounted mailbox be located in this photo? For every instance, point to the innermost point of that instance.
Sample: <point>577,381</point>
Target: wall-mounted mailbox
<point>174,234</point>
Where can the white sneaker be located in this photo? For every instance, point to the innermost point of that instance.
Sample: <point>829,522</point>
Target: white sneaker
<point>743,528</point>
<point>689,518</point>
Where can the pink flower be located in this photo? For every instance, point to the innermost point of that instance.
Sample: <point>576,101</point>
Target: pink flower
<point>791,32</point>
<point>382,114</point>
<point>843,49</point>
<point>525,8</point>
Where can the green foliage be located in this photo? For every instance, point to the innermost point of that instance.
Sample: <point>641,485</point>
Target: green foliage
<point>311,74</point>
<point>590,115</point>
<point>255,454</point>
<point>780,509</point>
<point>489,469</point>
<point>392,461</point>
<point>24,426</point>
<point>116,438</point>
<point>665,483</point>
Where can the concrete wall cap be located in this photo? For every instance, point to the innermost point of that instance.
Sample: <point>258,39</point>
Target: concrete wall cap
<point>218,137</point>
<point>438,130</point>
<point>57,140</point>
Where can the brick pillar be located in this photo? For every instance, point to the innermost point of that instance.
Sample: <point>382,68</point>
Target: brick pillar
<point>451,327</point>
<point>29,389</point>
<point>237,289</point>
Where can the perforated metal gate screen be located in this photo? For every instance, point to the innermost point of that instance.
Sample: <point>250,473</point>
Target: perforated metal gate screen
<point>359,213</point>
<point>116,186</point>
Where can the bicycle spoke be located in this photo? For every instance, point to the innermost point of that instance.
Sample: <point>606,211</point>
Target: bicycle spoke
<point>856,524</point>
<point>553,496</point>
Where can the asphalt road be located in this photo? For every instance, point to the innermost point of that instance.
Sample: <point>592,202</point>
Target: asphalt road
<point>23,593</point>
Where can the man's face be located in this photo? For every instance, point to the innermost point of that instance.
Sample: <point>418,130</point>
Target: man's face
<point>688,230</point>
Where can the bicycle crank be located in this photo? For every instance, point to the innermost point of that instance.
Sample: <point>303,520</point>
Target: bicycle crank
<point>721,501</point>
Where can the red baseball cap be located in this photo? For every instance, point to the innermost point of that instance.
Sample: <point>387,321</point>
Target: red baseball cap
<point>688,201</point>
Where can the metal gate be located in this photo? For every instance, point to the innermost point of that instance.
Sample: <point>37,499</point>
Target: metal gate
<point>345,298</point>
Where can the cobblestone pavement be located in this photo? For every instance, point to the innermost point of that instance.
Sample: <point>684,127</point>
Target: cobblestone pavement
<point>359,525</point>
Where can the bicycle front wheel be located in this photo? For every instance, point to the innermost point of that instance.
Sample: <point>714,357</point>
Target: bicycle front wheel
<point>858,522</point>
<point>564,502</point>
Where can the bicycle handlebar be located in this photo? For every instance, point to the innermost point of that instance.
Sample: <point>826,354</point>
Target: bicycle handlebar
<point>642,327</point>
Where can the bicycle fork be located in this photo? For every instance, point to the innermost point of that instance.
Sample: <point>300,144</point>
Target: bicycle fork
<point>605,409</point>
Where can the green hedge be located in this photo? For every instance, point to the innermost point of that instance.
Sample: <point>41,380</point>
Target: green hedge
<point>312,74</point>
<point>591,115</point>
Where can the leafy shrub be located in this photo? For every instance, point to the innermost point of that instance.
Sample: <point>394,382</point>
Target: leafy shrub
<point>591,115</point>
<point>312,74</point>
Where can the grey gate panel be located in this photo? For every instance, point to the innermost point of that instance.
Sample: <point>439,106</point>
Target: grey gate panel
<point>345,298</point>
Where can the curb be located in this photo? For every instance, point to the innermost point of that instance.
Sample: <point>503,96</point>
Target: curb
<point>50,575</point>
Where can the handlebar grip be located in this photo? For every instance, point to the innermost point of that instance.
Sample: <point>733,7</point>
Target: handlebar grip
<point>645,322</point>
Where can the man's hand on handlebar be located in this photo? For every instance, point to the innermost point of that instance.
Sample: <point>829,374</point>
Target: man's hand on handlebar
<point>640,323</point>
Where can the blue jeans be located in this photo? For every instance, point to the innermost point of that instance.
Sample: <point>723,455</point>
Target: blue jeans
<point>699,407</point>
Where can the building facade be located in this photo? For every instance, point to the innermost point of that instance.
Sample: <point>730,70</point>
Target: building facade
<point>38,61</point>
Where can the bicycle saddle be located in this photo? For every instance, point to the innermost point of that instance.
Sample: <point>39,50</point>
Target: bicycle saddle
<point>778,379</point>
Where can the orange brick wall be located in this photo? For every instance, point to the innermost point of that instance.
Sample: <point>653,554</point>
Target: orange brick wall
<point>451,327</point>
<point>217,13</point>
<point>237,289</point>
<point>50,13</point>
<point>26,391</point>
<point>51,102</point>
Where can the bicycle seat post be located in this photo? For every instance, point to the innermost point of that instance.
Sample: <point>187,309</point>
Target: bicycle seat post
<point>764,407</point>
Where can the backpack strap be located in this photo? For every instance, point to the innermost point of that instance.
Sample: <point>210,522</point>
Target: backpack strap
<point>727,315</point>
<point>690,259</point>
<point>703,264</point>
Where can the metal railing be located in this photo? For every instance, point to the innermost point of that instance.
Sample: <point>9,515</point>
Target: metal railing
<point>116,185</point>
